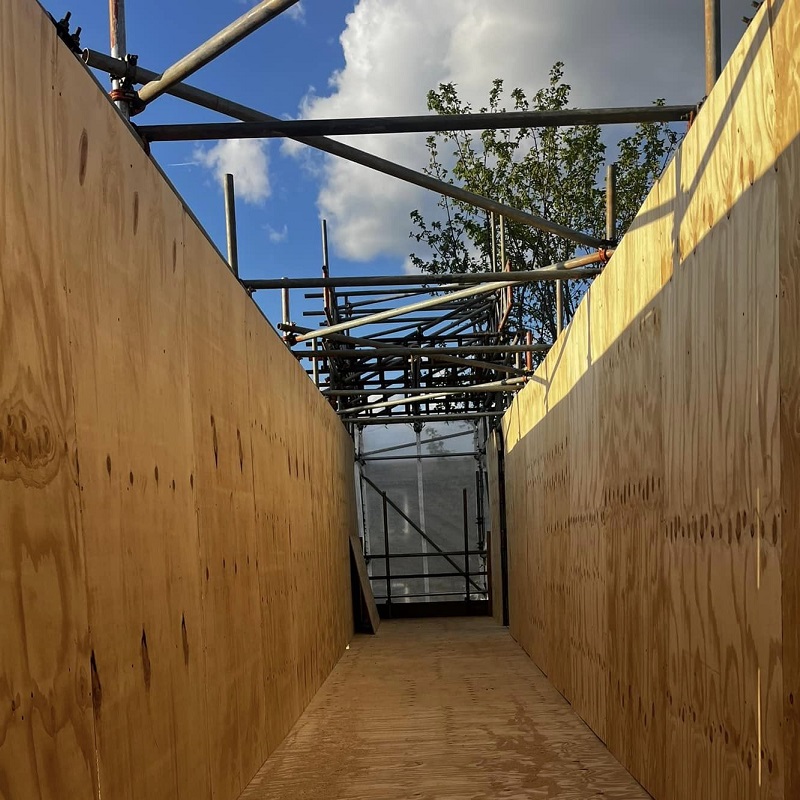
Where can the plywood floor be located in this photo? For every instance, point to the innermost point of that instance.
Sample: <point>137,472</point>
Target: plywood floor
<point>439,709</point>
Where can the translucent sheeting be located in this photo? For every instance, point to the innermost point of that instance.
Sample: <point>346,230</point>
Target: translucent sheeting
<point>444,480</point>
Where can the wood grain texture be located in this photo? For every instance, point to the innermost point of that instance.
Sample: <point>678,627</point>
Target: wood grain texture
<point>160,632</point>
<point>647,475</point>
<point>305,515</point>
<point>223,484</point>
<point>127,308</point>
<point>46,733</point>
<point>785,23</point>
<point>438,710</point>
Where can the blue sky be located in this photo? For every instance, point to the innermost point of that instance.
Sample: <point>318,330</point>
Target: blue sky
<point>271,70</point>
<point>348,58</point>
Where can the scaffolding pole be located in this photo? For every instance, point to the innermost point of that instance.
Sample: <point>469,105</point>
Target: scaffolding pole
<point>285,309</point>
<point>391,313</point>
<point>119,49</point>
<point>507,385</point>
<point>356,340</point>
<point>713,44</point>
<point>471,349</point>
<point>230,224</point>
<point>611,202</point>
<point>466,416</point>
<point>472,291</point>
<point>426,123</point>
<point>565,271</point>
<point>339,149</point>
<point>439,394</point>
<point>213,47</point>
<point>465,454</point>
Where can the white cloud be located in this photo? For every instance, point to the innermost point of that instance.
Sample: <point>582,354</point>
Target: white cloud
<point>410,268</point>
<point>617,52</point>
<point>246,159</point>
<point>278,236</point>
<point>297,12</point>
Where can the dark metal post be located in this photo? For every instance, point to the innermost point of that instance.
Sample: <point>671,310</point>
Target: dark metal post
<point>230,224</point>
<point>285,313</point>
<point>502,244</point>
<point>493,233</point>
<point>327,292</point>
<point>503,532</point>
<point>315,365</point>
<point>713,48</point>
<point>611,202</point>
<point>361,499</point>
<point>426,586</point>
<point>119,47</point>
<point>386,547</point>
<point>466,543</point>
<point>325,262</point>
<point>480,520</point>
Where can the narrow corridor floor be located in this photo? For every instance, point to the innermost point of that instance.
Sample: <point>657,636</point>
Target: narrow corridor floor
<point>434,710</point>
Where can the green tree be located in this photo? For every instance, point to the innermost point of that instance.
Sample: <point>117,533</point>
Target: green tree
<point>552,172</point>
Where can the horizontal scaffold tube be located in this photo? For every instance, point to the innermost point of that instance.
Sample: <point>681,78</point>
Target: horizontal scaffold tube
<point>467,416</point>
<point>392,350</point>
<point>425,123</point>
<point>436,394</point>
<point>509,385</point>
<point>562,272</point>
<point>434,302</point>
<point>371,319</point>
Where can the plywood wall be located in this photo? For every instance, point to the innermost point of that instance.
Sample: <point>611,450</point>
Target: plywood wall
<point>653,461</point>
<point>176,498</point>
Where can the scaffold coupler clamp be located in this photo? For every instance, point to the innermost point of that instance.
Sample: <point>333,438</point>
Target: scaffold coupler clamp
<point>126,91</point>
<point>289,336</point>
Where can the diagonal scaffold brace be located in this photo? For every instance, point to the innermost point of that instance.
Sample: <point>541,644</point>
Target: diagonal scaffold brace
<point>137,74</point>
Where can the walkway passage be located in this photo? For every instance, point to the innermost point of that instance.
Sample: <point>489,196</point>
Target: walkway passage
<point>440,710</point>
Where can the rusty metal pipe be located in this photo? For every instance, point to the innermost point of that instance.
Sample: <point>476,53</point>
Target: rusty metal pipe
<point>119,47</point>
<point>713,46</point>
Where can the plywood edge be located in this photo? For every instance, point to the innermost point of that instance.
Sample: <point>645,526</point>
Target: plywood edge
<point>367,597</point>
<point>629,282</point>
